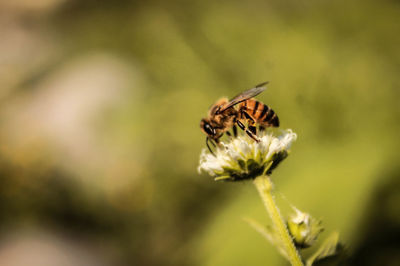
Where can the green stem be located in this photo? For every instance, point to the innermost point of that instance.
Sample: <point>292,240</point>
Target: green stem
<point>264,187</point>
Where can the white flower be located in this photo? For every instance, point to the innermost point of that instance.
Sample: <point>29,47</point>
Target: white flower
<point>243,158</point>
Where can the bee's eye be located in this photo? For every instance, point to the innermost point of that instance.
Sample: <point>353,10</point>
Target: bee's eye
<point>208,129</point>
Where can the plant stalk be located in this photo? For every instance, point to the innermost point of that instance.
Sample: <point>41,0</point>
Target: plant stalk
<point>264,186</point>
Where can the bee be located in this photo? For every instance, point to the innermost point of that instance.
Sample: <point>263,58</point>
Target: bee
<point>223,116</point>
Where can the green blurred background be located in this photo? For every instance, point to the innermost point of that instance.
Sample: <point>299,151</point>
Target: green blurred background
<point>100,139</point>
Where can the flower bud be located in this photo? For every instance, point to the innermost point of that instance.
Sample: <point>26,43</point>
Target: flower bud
<point>304,229</point>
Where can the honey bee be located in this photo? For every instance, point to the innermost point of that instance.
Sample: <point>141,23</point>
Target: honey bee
<point>223,116</point>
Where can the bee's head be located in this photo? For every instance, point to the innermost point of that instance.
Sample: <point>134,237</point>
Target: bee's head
<point>206,127</point>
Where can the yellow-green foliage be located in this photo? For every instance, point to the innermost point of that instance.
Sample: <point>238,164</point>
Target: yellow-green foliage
<point>333,68</point>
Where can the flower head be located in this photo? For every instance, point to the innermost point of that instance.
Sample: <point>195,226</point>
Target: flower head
<point>243,158</point>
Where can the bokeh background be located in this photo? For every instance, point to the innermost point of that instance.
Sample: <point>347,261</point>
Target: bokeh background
<point>100,103</point>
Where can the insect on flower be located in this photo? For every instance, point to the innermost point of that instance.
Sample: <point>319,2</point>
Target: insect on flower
<point>223,116</point>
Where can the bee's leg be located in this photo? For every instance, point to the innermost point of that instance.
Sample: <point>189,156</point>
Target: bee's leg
<point>242,127</point>
<point>228,133</point>
<point>208,146</point>
<point>251,122</point>
<point>251,135</point>
<point>234,129</point>
<point>252,127</point>
<point>253,130</point>
<point>261,128</point>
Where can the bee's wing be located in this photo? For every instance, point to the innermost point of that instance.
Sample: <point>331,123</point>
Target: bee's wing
<point>245,96</point>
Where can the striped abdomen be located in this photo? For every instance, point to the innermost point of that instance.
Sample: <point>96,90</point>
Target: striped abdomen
<point>259,112</point>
